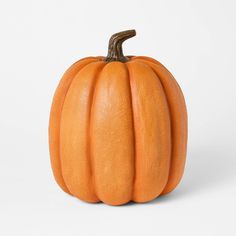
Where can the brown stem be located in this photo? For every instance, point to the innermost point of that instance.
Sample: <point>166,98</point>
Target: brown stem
<point>115,52</point>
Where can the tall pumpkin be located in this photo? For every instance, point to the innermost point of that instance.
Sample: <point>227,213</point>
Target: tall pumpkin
<point>118,128</point>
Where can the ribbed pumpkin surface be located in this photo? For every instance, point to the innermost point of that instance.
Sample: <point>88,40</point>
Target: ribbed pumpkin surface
<point>118,131</point>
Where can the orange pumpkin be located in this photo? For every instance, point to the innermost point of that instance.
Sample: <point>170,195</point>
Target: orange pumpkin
<point>118,128</point>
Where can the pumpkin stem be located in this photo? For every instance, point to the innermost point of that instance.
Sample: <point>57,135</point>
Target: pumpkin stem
<point>115,52</point>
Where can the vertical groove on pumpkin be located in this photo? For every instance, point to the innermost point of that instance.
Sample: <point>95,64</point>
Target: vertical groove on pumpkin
<point>89,130</point>
<point>131,99</point>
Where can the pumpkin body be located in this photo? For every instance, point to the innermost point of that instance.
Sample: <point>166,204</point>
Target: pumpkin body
<point>118,131</point>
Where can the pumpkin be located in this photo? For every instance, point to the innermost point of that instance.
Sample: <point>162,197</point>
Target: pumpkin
<point>118,128</point>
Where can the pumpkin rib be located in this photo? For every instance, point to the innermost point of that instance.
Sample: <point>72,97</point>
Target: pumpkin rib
<point>153,135</point>
<point>177,165</point>
<point>176,172</point>
<point>134,135</point>
<point>75,154</point>
<point>55,116</point>
<point>167,100</point>
<point>170,116</point>
<point>112,137</point>
<point>144,59</point>
<point>89,129</point>
<point>72,79</point>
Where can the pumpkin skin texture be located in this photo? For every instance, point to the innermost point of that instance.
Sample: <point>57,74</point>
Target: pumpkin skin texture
<point>118,130</point>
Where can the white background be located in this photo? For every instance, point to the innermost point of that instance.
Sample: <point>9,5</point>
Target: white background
<point>196,40</point>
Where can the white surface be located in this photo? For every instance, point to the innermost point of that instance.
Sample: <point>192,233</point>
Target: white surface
<point>196,40</point>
